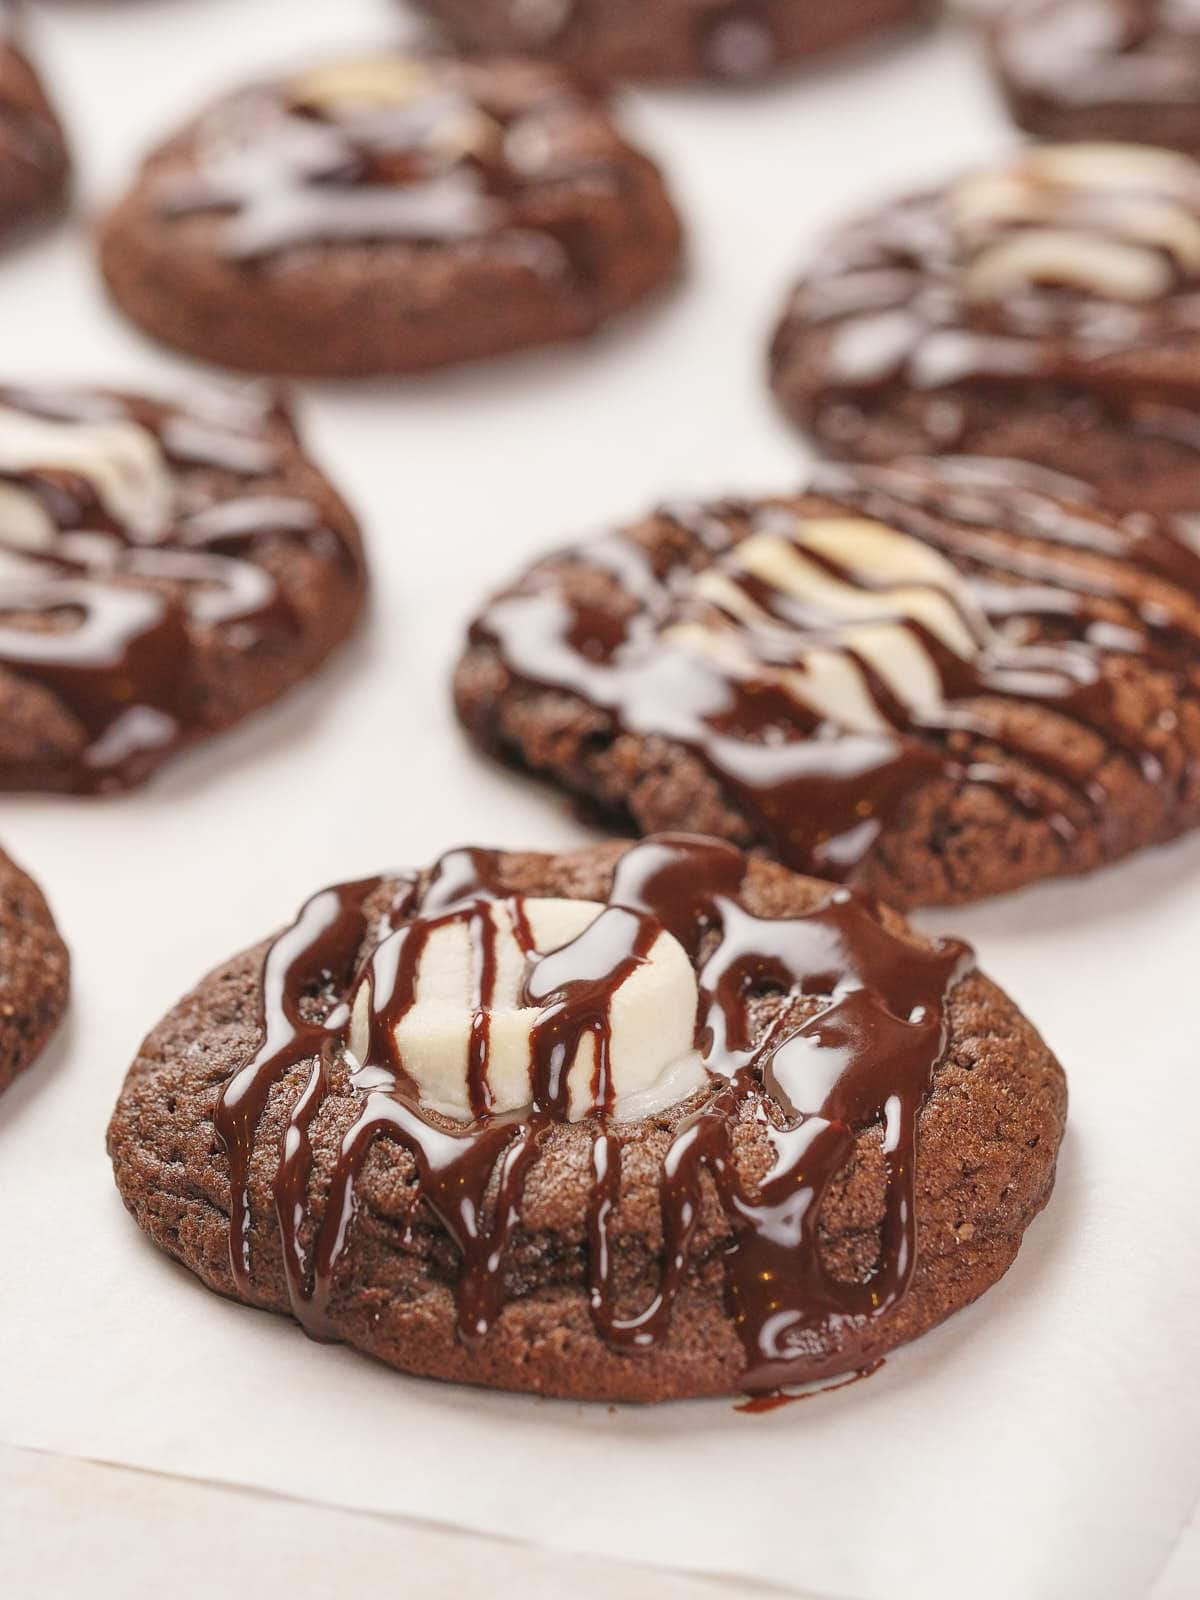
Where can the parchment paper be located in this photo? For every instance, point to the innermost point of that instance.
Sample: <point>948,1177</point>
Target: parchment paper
<point>1045,1442</point>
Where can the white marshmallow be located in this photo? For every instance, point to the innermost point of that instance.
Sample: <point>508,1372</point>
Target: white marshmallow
<point>920,586</point>
<point>652,1018</point>
<point>121,460</point>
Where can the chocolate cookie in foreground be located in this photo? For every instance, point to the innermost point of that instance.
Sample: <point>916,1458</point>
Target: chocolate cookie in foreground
<point>34,968</point>
<point>939,680</point>
<point>1045,308</point>
<point>1101,69</point>
<point>390,215</point>
<point>640,1123</point>
<point>671,39</point>
<point>34,165</point>
<point>165,569</point>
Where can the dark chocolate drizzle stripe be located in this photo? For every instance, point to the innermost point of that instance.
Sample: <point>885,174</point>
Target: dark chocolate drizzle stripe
<point>103,616</point>
<point>890,299</point>
<point>302,173</point>
<point>321,945</point>
<point>873,1033</point>
<point>821,797</point>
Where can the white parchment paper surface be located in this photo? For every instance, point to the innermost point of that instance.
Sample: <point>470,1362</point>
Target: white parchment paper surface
<point>1045,1443</point>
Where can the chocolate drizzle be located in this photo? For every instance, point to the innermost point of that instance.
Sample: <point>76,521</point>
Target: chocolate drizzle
<point>416,150</point>
<point>1072,270</point>
<point>136,541</point>
<point>856,1028</point>
<point>1050,593</point>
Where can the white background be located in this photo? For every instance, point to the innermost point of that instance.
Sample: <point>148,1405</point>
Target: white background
<point>1045,1442</point>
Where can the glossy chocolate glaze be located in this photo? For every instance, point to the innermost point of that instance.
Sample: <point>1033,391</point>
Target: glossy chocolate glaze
<point>424,151</point>
<point>1073,269</point>
<point>103,613</point>
<point>858,1031</point>
<point>1039,574</point>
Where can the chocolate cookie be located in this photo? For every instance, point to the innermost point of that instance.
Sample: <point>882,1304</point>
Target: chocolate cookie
<point>390,215</point>
<point>639,1123</point>
<point>164,571</point>
<point>34,165</point>
<point>1107,69</point>
<point>938,681</point>
<point>723,39</point>
<point>33,972</point>
<point>1043,309</point>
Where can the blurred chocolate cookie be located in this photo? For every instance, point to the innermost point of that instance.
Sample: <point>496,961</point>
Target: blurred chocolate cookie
<point>34,164</point>
<point>637,1123</point>
<point>390,215</point>
<point>165,569</point>
<point>33,972</point>
<point>937,680</point>
<point>1101,69</point>
<point>1045,308</point>
<point>734,40</point>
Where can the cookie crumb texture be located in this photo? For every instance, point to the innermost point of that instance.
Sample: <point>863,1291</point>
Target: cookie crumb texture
<point>166,570</point>
<point>938,680</point>
<point>1092,69</point>
<point>729,40</point>
<point>34,164</point>
<point>1042,309</point>
<point>390,215</point>
<point>34,968</point>
<point>878,1128</point>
